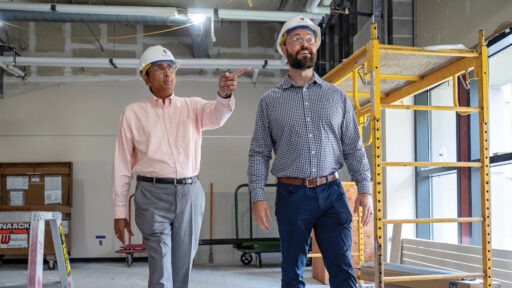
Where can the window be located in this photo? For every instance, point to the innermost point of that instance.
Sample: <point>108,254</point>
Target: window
<point>444,128</point>
<point>437,186</point>
<point>500,139</point>
<point>501,197</point>
<point>445,205</point>
<point>444,192</point>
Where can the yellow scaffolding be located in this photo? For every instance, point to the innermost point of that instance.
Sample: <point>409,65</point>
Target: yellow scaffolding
<point>376,77</point>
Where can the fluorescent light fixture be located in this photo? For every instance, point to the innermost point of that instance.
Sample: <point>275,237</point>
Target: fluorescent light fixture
<point>13,70</point>
<point>193,63</point>
<point>197,18</point>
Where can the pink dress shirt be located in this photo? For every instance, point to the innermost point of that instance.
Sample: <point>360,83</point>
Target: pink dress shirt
<point>162,139</point>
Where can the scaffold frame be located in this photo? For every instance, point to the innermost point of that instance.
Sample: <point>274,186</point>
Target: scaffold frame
<point>376,77</point>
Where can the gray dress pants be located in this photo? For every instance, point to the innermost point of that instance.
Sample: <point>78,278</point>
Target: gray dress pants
<point>169,218</point>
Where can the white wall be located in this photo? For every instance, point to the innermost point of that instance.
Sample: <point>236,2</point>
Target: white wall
<point>458,21</point>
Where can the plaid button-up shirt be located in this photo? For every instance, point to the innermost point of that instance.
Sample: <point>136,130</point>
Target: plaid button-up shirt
<point>312,131</point>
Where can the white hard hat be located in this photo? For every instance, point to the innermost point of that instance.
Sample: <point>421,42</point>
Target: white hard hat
<point>298,22</point>
<point>153,55</point>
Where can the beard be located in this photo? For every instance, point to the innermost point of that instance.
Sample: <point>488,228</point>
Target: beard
<point>301,63</point>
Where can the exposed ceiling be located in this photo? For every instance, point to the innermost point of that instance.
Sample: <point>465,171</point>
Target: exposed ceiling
<point>248,6</point>
<point>152,12</point>
<point>271,5</point>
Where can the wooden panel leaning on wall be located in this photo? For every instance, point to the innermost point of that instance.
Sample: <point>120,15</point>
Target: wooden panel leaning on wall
<point>38,186</point>
<point>319,271</point>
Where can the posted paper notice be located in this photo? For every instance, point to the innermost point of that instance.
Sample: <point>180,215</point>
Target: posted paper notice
<point>52,190</point>
<point>17,182</point>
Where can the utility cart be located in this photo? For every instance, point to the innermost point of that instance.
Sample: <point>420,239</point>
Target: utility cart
<point>251,245</point>
<point>130,249</point>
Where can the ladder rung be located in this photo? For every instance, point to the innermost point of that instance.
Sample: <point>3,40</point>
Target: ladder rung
<point>432,164</point>
<point>431,277</point>
<point>435,220</point>
<point>432,108</point>
<point>400,77</point>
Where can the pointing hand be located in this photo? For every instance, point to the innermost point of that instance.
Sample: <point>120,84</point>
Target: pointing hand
<point>228,82</point>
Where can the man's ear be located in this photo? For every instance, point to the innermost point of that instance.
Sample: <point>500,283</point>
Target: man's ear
<point>145,77</point>
<point>283,49</point>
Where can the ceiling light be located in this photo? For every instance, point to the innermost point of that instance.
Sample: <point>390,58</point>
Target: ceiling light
<point>13,70</point>
<point>197,18</point>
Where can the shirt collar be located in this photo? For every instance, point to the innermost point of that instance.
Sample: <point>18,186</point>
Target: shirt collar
<point>158,102</point>
<point>287,82</point>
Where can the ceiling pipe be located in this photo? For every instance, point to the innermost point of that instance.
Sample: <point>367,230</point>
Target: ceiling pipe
<point>90,13</point>
<point>133,63</point>
<point>313,6</point>
<point>135,14</point>
<point>254,15</point>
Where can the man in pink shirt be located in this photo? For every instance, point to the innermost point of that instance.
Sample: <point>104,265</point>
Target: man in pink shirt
<point>159,140</point>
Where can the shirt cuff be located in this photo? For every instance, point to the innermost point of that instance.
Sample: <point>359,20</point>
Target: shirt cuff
<point>364,188</point>
<point>229,102</point>
<point>257,195</point>
<point>230,95</point>
<point>121,213</point>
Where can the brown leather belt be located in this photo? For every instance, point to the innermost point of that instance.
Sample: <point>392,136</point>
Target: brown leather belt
<point>309,182</point>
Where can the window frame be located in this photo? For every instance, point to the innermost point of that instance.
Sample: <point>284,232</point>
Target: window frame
<point>468,142</point>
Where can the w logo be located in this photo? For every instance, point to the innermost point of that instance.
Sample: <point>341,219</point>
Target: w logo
<point>5,239</point>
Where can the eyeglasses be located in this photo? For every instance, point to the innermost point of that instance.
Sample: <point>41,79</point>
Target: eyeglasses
<point>164,68</point>
<point>297,40</point>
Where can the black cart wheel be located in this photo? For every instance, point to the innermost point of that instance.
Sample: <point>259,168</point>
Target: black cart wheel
<point>129,259</point>
<point>246,258</point>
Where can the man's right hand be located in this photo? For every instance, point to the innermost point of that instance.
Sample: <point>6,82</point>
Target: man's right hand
<point>120,225</point>
<point>228,82</point>
<point>261,214</point>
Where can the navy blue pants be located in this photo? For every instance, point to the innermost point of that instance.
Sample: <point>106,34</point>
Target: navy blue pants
<point>325,209</point>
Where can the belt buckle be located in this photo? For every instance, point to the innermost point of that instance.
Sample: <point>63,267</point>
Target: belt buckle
<point>174,181</point>
<point>315,182</point>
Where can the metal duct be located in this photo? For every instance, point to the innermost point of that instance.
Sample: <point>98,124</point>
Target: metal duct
<point>133,63</point>
<point>134,14</point>
<point>91,13</point>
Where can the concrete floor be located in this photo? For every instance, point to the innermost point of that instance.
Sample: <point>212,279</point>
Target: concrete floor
<point>118,275</point>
